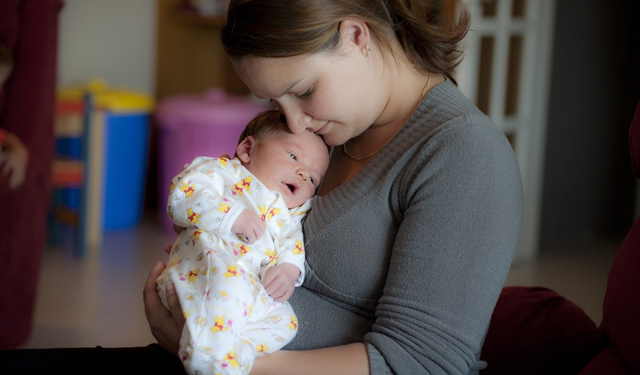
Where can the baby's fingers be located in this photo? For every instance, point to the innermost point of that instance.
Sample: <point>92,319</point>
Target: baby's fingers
<point>285,296</point>
<point>251,236</point>
<point>282,293</point>
<point>255,232</point>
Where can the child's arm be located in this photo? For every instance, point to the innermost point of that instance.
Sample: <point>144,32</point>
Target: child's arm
<point>197,199</point>
<point>280,280</point>
<point>14,158</point>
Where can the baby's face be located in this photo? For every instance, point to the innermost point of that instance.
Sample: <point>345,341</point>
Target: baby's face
<point>292,164</point>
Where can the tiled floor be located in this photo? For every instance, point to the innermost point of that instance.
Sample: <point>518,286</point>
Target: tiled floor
<point>98,300</point>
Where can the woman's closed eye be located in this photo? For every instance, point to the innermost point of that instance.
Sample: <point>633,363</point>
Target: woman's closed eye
<point>305,94</point>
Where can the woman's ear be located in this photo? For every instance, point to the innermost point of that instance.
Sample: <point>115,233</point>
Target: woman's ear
<point>356,33</point>
<point>245,148</point>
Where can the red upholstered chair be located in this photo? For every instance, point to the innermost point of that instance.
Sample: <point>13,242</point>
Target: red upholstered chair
<point>621,310</point>
<point>29,28</point>
<point>536,331</point>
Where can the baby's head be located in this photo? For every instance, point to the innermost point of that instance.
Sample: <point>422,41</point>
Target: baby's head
<point>292,164</point>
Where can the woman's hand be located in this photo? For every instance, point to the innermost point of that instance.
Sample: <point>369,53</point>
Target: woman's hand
<point>166,325</point>
<point>178,229</point>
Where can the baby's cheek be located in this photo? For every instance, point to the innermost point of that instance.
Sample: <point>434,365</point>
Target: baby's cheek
<point>309,191</point>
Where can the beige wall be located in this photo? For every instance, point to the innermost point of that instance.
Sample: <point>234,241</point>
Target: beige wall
<point>113,39</point>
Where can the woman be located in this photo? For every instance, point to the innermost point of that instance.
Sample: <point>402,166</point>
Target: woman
<point>410,240</point>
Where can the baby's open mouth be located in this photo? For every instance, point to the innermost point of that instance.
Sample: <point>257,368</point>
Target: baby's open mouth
<point>291,187</point>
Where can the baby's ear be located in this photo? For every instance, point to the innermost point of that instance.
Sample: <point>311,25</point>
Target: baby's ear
<point>245,148</point>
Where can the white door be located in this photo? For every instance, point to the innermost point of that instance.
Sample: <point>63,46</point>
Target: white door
<point>507,73</point>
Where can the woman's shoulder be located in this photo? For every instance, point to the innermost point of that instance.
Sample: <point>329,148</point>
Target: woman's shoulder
<point>448,131</point>
<point>447,116</point>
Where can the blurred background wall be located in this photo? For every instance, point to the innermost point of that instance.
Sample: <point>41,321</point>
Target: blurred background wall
<point>114,40</point>
<point>589,191</point>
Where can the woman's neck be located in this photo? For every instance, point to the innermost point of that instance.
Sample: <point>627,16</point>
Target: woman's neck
<point>406,88</point>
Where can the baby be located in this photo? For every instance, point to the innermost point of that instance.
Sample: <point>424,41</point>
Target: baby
<point>231,277</point>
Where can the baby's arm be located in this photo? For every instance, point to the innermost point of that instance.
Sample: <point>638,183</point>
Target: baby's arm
<point>197,198</point>
<point>281,280</point>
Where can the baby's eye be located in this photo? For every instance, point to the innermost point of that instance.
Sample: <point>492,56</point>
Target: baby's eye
<point>312,180</point>
<point>293,156</point>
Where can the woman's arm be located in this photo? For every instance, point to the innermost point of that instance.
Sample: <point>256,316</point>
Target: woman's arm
<point>166,327</point>
<point>451,254</point>
<point>351,359</point>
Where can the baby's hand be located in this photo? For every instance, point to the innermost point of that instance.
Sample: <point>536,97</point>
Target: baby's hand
<point>14,160</point>
<point>249,224</point>
<point>280,281</point>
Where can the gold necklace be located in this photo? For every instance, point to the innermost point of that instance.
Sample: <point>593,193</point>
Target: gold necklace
<point>344,145</point>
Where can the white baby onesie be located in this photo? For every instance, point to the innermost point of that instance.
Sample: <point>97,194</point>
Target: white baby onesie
<point>230,318</point>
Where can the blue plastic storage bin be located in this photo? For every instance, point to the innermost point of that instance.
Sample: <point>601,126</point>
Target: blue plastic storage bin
<point>126,159</point>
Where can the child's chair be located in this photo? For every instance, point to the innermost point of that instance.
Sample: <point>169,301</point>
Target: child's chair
<point>77,176</point>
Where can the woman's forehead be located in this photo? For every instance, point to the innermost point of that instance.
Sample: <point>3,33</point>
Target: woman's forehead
<point>273,77</point>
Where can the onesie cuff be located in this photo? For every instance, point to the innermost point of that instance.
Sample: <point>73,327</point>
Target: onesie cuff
<point>230,217</point>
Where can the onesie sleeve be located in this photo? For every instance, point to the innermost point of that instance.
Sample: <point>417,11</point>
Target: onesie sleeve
<point>462,207</point>
<point>197,197</point>
<point>292,244</point>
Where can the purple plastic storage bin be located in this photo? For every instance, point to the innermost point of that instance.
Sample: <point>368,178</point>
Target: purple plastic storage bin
<point>193,125</point>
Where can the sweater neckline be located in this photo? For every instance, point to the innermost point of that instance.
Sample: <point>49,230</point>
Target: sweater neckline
<point>362,181</point>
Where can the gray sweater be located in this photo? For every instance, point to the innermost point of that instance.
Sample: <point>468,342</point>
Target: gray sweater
<point>410,255</point>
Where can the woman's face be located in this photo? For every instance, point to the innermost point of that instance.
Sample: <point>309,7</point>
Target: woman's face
<point>337,95</point>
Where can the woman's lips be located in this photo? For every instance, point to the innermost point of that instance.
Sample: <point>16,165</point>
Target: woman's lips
<point>322,129</point>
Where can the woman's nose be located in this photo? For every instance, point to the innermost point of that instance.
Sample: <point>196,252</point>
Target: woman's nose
<point>297,120</point>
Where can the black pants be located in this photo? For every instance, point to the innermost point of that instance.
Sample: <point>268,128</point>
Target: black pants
<point>139,361</point>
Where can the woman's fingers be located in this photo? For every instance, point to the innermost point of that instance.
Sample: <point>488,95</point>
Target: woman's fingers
<point>167,249</point>
<point>165,327</point>
<point>174,306</point>
<point>178,229</point>
<point>150,294</point>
